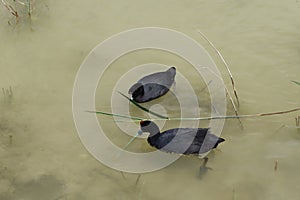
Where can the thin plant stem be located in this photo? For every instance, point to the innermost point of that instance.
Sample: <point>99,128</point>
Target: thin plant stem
<point>298,83</point>
<point>205,86</point>
<point>116,115</point>
<point>229,96</point>
<point>226,66</point>
<point>191,119</point>
<point>200,118</point>
<point>22,3</point>
<point>15,4</point>
<point>137,180</point>
<point>143,108</point>
<point>235,109</point>
<point>130,141</point>
<point>12,10</point>
<point>29,8</point>
<point>10,91</point>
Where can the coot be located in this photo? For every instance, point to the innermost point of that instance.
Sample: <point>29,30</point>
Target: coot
<point>152,86</point>
<point>181,140</point>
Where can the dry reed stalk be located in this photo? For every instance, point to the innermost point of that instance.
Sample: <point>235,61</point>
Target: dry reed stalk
<point>12,10</point>
<point>227,93</point>
<point>226,66</point>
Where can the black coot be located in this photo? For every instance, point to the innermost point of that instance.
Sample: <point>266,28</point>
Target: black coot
<point>152,86</point>
<point>181,140</point>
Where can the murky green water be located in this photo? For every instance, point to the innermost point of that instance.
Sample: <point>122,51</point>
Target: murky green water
<point>41,156</point>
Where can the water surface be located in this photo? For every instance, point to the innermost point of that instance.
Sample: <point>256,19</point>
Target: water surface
<point>41,154</point>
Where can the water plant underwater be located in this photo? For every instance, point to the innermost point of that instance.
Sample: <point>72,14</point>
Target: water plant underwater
<point>7,93</point>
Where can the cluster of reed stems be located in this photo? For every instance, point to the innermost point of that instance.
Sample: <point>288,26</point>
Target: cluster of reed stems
<point>12,7</point>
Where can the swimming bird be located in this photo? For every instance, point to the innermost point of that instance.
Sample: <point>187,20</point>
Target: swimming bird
<point>152,86</point>
<point>180,140</point>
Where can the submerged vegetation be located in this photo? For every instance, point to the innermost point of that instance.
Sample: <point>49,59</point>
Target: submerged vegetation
<point>7,93</point>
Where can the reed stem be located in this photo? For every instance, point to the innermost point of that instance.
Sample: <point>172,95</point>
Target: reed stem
<point>226,66</point>
<point>199,118</point>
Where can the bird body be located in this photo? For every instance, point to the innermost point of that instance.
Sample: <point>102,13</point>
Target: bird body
<point>152,86</point>
<point>181,140</point>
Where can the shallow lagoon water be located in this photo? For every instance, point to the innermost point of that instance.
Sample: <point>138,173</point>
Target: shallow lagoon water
<point>41,154</point>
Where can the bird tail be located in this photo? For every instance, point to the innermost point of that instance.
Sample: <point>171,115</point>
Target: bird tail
<point>218,142</point>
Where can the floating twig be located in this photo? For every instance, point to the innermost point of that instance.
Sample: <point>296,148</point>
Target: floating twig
<point>298,121</point>
<point>225,64</point>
